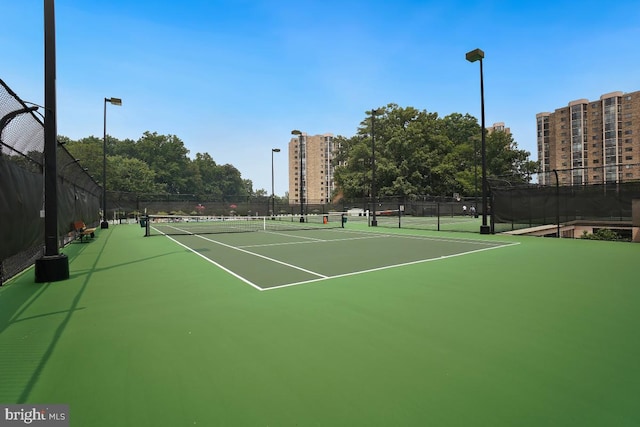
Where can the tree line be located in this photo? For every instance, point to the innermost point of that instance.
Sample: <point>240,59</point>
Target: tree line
<point>419,153</point>
<point>158,164</point>
<point>416,153</point>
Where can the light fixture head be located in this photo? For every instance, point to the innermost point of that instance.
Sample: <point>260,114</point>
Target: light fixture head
<point>475,55</point>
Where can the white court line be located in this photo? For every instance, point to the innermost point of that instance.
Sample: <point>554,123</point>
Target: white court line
<point>437,239</point>
<point>263,257</point>
<point>216,264</point>
<point>289,235</point>
<point>322,277</point>
<point>314,241</point>
<point>354,273</point>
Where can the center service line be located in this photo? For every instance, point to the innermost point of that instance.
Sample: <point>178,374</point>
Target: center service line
<point>264,257</point>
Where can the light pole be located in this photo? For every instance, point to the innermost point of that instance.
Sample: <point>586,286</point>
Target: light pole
<point>301,184</point>
<point>475,178</point>
<point>374,221</point>
<point>473,56</point>
<point>52,266</point>
<point>273,196</point>
<point>112,101</point>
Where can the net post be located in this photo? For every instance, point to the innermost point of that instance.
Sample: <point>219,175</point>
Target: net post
<point>147,227</point>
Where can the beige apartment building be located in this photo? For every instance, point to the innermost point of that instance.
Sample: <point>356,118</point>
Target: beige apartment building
<point>499,127</point>
<point>591,142</point>
<point>310,169</point>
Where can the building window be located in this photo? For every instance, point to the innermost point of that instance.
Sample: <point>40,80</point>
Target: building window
<point>628,158</point>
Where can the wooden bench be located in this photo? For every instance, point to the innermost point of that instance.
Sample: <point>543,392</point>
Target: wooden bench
<point>82,231</point>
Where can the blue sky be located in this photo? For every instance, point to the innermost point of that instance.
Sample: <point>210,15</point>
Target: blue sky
<point>233,77</point>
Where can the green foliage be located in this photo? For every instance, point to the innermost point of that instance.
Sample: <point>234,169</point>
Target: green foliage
<point>130,175</point>
<point>419,153</point>
<point>601,234</point>
<point>157,164</point>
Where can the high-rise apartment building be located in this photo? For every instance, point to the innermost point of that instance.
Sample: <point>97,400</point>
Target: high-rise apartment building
<point>499,127</point>
<point>310,168</point>
<point>591,142</point>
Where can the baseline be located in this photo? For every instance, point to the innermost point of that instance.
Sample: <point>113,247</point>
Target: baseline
<point>355,273</point>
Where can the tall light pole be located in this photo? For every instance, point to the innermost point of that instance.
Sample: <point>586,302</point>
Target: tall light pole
<point>473,56</point>
<point>475,178</point>
<point>52,266</point>
<point>112,101</point>
<point>374,221</point>
<point>301,184</point>
<point>273,195</point>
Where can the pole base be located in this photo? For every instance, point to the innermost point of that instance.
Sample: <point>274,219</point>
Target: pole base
<point>52,268</point>
<point>374,222</point>
<point>485,229</point>
<point>104,224</point>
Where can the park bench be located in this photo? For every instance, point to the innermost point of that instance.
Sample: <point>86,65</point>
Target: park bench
<point>82,231</point>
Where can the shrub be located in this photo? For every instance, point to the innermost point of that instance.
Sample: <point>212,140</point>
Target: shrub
<point>601,234</point>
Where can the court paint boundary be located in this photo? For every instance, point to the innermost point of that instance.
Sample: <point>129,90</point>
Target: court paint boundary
<point>354,273</point>
<point>307,242</point>
<point>286,264</point>
<point>222,267</point>
<point>322,277</point>
<point>387,233</point>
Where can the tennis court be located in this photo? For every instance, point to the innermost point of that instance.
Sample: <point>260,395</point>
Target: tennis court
<point>294,253</point>
<point>409,328</point>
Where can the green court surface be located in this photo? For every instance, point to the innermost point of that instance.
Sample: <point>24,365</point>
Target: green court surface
<point>329,328</point>
<point>268,260</point>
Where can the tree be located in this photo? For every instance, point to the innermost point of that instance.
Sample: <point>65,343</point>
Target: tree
<point>505,161</point>
<point>419,153</point>
<point>230,181</point>
<point>166,155</point>
<point>207,175</point>
<point>130,175</point>
<point>89,152</point>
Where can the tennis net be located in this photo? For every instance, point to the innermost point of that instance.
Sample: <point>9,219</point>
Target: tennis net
<point>182,224</point>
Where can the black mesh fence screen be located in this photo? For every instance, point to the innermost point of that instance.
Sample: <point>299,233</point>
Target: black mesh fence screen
<point>525,207</point>
<point>420,212</point>
<point>22,187</point>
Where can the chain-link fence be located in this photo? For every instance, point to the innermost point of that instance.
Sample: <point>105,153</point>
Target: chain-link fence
<point>604,205</point>
<point>452,213</point>
<point>22,186</point>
